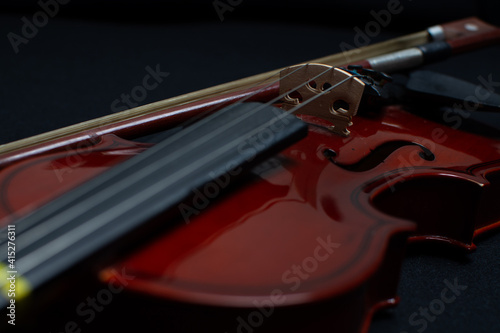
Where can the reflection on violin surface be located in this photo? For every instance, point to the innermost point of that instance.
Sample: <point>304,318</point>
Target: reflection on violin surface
<point>310,238</point>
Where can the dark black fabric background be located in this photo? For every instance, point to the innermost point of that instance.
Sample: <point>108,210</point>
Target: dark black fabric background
<point>93,51</point>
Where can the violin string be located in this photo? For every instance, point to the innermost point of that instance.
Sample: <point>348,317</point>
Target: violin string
<point>87,228</point>
<point>195,119</point>
<point>190,125</point>
<point>85,205</point>
<point>160,185</point>
<point>35,228</point>
<point>44,229</point>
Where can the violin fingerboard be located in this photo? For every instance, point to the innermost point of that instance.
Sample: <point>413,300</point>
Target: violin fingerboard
<point>77,225</point>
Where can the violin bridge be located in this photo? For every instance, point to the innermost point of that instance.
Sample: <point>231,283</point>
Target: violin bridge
<point>323,91</point>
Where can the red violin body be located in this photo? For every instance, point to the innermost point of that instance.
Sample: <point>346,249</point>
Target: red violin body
<point>326,220</point>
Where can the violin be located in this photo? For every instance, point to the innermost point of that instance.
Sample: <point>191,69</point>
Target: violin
<point>312,235</point>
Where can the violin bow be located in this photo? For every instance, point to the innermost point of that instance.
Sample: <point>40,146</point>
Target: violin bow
<point>459,36</point>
